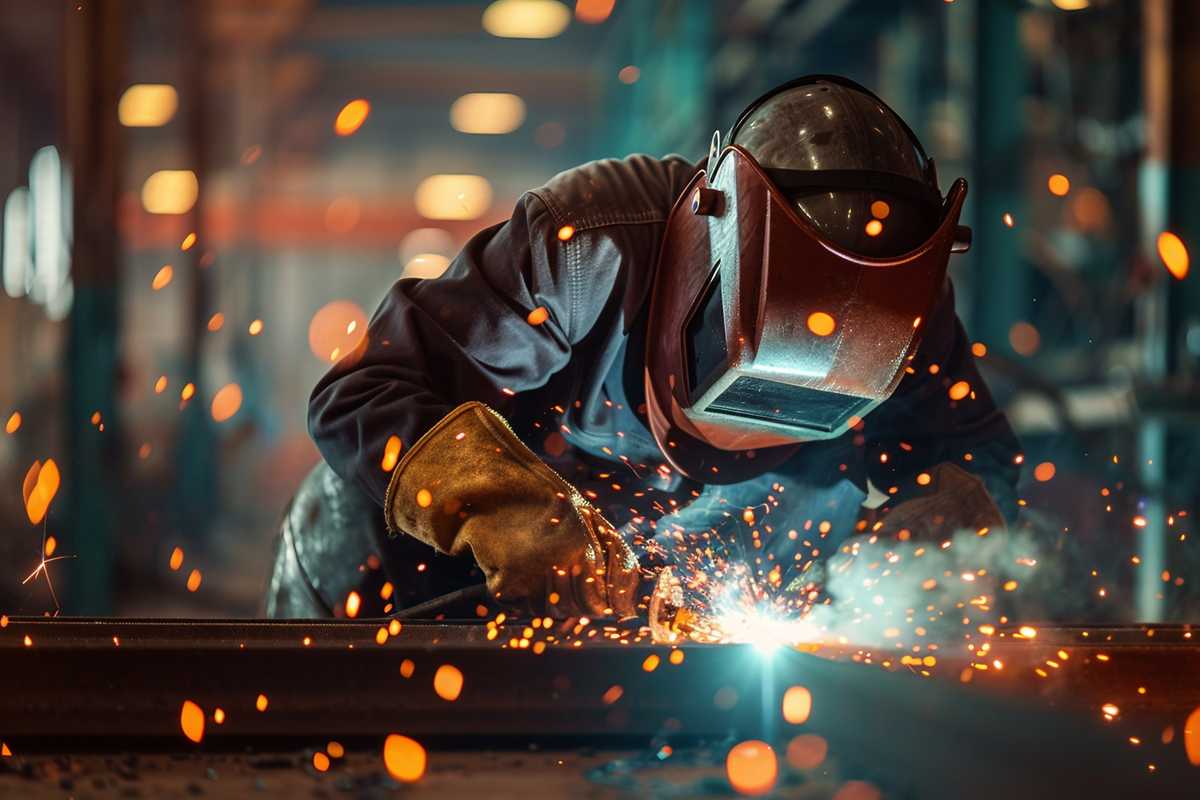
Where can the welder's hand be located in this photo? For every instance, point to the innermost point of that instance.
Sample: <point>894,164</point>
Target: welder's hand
<point>953,500</point>
<point>470,485</point>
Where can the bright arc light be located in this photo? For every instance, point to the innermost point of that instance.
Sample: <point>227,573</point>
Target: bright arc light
<point>487,113</point>
<point>170,191</point>
<point>453,196</point>
<point>147,105</point>
<point>526,19</point>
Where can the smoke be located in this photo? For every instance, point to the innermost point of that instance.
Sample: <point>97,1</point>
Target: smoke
<point>884,593</point>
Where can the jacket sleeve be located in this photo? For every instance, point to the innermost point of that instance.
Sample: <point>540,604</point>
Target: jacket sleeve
<point>922,425</point>
<point>433,344</point>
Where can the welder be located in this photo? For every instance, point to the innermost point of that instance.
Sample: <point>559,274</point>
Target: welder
<point>650,348</point>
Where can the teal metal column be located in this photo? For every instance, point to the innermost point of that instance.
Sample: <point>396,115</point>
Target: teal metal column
<point>1000,279</point>
<point>95,58</point>
<point>1169,194</point>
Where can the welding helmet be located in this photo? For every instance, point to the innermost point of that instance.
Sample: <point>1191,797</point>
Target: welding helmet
<point>795,274</point>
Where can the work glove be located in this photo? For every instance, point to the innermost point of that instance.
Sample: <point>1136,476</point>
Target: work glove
<point>953,500</point>
<point>470,485</point>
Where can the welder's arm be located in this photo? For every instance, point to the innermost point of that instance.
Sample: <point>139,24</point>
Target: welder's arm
<point>470,486</point>
<point>943,461</point>
<point>434,344</point>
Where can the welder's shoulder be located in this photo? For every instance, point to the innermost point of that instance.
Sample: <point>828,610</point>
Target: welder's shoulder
<point>639,189</point>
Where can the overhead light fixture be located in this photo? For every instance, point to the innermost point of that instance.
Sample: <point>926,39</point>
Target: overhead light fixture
<point>453,196</point>
<point>487,113</point>
<point>526,19</point>
<point>147,105</point>
<point>1071,5</point>
<point>170,191</point>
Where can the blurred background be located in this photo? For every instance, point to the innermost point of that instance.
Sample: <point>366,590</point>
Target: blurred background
<point>203,201</point>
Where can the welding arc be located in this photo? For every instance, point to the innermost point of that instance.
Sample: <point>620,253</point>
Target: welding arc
<point>435,606</point>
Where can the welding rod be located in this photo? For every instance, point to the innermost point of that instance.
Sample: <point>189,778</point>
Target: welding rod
<point>431,608</point>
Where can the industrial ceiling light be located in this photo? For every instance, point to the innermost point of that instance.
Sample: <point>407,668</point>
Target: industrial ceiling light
<point>147,105</point>
<point>453,196</point>
<point>487,113</point>
<point>526,19</point>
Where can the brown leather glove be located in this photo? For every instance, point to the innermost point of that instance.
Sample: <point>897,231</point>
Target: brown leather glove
<point>470,485</point>
<point>953,500</point>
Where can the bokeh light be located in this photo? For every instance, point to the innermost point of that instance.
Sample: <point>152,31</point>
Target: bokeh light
<point>425,265</point>
<point>351,117</point>
<point>453,196</point>
<point>807,751</point>
<point>404,758</point>
<point>1024,338</point>
<point>593,12</point>
<point>170,191</point>
<point>797,705</point>
<point>226,402</point>
<point>191,720</point>
<point>820,323</point>
<point>448,682</point>
<point>336,329</point>
<point>752,768</point>
<point>147,105</point>
<point>487,113</point>
<point>1174,254</point>
<point>526,19</point>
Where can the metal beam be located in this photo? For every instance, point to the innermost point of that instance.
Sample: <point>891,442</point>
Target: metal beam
<point>105,683</point>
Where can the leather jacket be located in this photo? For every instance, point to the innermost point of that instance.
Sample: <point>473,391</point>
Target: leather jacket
<point>584,248</point>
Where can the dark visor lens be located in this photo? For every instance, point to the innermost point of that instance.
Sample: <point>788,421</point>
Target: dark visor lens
<point>758,399</point>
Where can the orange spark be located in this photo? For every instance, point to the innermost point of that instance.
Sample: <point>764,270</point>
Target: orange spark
<point>404,758</point>
<point>651,662</point>
<point>255,327</point>
<point>351,117</point>
<point>1058,184</point>
<point>191,720</point>
<point>226,402</point>
<point>261,702</point>
<point>1044,471</point>
<point>162,278</point>
<point>215,322</point>
<point>820,323</point>
<point>391,454</point>
<point>320,762</point>
<point>14,423</point>
<point>1174,254</point>
<point>176,559</point>
<point>194,579</point>
<point>188,241</point>
<point>448,682</point>
<point>752,768</point>
<point>960,390</point>
<point>538,316</point>
<point>353,603</point>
